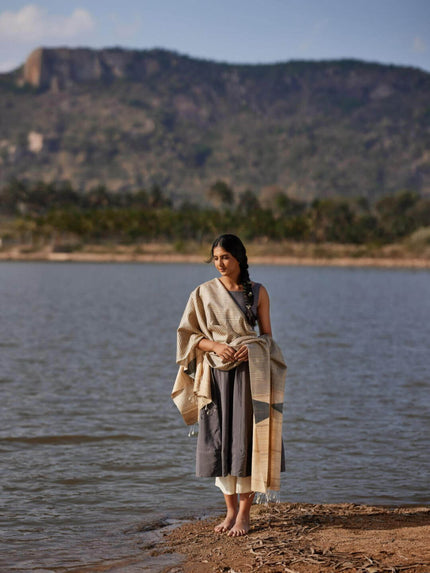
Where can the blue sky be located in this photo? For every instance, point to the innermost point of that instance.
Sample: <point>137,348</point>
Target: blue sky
<point>246,31</point>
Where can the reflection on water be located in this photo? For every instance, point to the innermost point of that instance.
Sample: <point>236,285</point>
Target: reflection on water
<point>92,447</point>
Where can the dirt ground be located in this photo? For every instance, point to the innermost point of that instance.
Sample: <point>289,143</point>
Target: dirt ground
<point>305,538</point>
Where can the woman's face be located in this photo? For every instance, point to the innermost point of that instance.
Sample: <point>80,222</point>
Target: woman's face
<point>225,263</point>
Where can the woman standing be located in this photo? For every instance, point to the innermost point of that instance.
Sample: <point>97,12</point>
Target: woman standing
<point>232,381</point>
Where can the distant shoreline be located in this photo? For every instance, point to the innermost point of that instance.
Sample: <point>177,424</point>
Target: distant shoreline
<point>281,260</point>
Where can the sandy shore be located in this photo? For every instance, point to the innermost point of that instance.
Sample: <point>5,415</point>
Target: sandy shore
<point>125,256</point>
<point>305,538</point>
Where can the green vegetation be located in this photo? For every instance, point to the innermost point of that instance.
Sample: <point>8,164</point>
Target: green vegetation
<point>41,214</point>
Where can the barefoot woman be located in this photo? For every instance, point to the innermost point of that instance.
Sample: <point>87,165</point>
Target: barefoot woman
<point>232,381</point>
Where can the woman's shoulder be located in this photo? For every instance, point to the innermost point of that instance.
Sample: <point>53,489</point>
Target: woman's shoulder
<point>260,291</point>
<point>204,286</point>
<point>257,286</point>
<point>256,289</point>
<point>209,283</point>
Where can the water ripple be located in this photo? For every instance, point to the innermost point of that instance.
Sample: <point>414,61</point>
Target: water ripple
<point>68,439</point>
<point>92,443</point>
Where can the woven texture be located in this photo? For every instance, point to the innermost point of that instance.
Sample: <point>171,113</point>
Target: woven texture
<point>213,314</point>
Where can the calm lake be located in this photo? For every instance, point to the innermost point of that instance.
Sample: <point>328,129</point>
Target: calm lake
<point>92,448</point>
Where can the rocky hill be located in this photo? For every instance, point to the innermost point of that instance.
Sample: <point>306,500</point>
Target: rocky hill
<point>130,119</point>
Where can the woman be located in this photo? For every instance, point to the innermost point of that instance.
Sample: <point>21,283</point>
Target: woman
<point>232,381</point>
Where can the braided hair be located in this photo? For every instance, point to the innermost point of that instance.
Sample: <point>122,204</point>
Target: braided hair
<point>233,245</point>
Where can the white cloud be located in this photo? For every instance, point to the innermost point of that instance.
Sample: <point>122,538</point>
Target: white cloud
<point>33,24</point>
<point>419,45</point>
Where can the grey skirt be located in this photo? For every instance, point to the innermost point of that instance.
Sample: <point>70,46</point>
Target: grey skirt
<point>224,443</point>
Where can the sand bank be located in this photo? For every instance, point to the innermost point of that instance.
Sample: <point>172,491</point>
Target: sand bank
<point>130,256</point>
<point>306,538</point>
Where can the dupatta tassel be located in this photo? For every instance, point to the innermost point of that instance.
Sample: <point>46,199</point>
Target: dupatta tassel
<point>270,496</point>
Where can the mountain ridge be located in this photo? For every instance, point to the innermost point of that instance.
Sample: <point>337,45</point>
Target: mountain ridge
<point>130,119</point>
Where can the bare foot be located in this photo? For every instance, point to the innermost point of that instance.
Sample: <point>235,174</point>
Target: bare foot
<point>227,524</point>
<point>241,527</point>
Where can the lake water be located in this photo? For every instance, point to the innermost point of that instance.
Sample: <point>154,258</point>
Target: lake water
<point>92,448</point>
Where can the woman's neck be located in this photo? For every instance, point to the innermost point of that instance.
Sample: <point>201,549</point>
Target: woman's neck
<point>231,284</point>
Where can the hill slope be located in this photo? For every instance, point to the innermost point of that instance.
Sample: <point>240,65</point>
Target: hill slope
<point>133,118</point>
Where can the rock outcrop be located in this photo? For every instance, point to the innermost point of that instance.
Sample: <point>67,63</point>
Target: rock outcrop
<point>47,68</point>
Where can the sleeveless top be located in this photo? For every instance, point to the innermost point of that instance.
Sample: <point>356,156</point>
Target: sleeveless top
<point>239,298</point>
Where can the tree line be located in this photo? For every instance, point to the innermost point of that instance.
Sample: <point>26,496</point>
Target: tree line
<point>49,209</point>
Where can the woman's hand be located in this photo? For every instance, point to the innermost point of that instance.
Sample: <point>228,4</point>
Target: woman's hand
<point>241,355</point>
<point>224,351</point>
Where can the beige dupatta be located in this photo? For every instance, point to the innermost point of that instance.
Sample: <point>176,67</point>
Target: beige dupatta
<point>212,313</point>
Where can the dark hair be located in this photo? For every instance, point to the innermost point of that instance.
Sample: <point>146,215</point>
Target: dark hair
<point>233,245</point>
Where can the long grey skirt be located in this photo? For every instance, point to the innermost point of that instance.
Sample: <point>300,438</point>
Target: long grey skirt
<point>224,443</point>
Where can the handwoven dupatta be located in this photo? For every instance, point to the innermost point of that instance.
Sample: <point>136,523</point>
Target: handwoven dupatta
<point>212,313</point>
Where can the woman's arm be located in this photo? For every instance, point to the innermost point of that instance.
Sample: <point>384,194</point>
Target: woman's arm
<point>222,350</point>
<point>263,309</point>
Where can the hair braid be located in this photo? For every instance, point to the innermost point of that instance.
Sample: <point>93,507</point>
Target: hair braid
<point>248,293</point>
